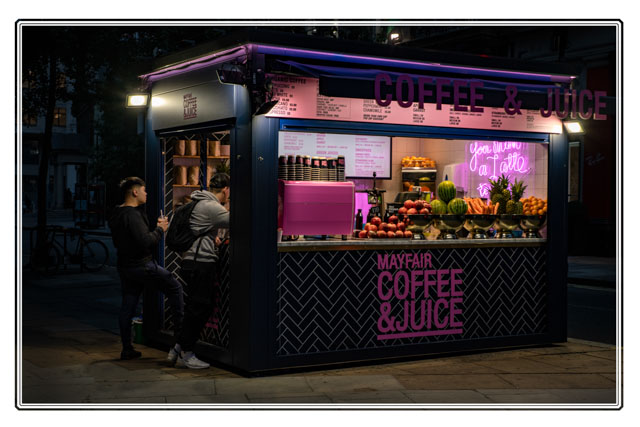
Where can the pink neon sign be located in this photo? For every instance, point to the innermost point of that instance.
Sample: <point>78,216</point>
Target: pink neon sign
<point>488,160</point>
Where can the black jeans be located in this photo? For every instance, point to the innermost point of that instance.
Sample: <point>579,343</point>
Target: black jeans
<point>134,280</point>
<point>200,278</point>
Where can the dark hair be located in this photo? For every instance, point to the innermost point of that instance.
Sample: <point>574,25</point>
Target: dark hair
<point>219,181</point>
<point>127,184</point>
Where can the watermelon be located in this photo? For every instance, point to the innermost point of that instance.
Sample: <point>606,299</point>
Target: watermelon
<point>438,207</point>
<point>446,191</point>
<point>457,207</point>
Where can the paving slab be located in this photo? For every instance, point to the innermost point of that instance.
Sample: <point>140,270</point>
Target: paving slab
<point>452,382</point>
<point>360,383</point>
<point>370,397</point>
<point>299,398</point>
<point>604,354</point>
<point>57,393</point>
<point>446,396</point>
<point>449,366</point>
<point>565,396</point>
<point>125,400</point>
<point>569,347</point>
<point>209,398</point>
<point>274,385</point>
<point>115,390</point>
<point>546,381</point>
<point>522,365</point>
<point>578,363</point>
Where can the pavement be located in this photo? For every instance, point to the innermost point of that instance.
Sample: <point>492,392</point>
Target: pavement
<point>69,355</point>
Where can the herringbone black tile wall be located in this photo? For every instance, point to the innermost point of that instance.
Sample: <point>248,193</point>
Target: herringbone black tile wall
<point>328,301</point>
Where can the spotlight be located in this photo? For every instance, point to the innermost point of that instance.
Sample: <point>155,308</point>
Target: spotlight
<point>137,100</point>
<point>573,127</point>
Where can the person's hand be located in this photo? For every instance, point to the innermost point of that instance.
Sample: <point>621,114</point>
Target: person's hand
<point>163,223</point>
<point>218,241</point>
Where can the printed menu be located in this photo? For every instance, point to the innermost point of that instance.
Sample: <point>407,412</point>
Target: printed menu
<point>363,154</point>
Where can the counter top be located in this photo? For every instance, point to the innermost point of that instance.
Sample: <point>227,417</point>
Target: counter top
<point>382,244</point>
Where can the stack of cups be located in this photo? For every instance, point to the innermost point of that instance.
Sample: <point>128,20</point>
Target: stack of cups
<point>315,168</point>
<point>307,168</point>
<point>324,169</point>
<point>282,168</point>
<point>340,168</point>
<point>299,174</point>
<point>291,165</point>
<point>333,172</point>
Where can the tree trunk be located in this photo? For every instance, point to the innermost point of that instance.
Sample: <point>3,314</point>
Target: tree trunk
<point>43,169</point>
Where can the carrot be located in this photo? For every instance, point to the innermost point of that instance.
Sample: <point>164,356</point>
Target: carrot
<point>495,208</point>
<point>477,203</point>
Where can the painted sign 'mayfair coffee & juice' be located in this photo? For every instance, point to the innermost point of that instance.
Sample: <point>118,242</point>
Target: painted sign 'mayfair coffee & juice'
<point>416,299</point>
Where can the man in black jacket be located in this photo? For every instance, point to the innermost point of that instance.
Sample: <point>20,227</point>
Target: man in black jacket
<point>136,266</point>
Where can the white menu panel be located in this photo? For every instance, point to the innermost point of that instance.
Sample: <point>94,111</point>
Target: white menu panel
<point>363,154</point>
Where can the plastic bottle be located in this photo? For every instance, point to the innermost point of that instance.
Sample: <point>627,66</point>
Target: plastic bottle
<point>359,220</point>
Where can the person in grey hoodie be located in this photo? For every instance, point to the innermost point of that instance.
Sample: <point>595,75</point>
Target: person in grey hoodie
<point>199,268</point>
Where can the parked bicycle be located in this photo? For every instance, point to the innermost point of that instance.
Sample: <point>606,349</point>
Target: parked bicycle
<point>91,254</point>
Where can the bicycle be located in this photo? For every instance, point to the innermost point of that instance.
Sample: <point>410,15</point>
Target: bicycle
<point>91,254</point>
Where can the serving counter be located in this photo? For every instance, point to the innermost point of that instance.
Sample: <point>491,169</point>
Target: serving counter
<point>422,296</point>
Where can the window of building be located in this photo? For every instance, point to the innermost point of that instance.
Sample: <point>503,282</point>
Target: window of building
<point>60,117</point>
<point>61,81</point>
<point>29,119</point>
<point>28,80</point>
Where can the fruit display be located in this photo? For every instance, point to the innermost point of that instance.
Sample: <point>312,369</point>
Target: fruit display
<point>457,207</point>
<point>477,206</point>
<point>376,229</point>
<point>446,191</point>
<point>417,162</point>
<point>507,196</point>
<point>534,206</point>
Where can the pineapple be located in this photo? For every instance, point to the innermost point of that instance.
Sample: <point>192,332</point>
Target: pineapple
<point>499,193</point>
<point>517,190</point>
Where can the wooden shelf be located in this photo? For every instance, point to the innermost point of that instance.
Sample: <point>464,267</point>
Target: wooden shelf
<point>217,157</point>
<point>186,157</point>
<point>186,186</point>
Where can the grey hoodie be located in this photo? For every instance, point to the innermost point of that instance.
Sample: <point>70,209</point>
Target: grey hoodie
<point>208,216</point>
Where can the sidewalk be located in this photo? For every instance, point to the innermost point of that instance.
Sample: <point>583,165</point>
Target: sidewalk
<point>70,351</point>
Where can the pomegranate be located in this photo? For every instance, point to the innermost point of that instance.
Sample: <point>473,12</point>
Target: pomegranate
<point>419,205</point>
<point>367,226</point>
<point>384,226</point>
<point>399,234</point>
<point>401,226</point>
<point>363,234</point>
<point>373,228</point>
<point>382,233</point>
<point>402,211</point>
<point>376,221</point>
<point>392,227</point>
<point>391,234</point>
<point>424,211</point>
<point>409,204</point>
<point>393,219</point>
<point>412,211</point>
<point>373,234</point>
<point>408,234</point>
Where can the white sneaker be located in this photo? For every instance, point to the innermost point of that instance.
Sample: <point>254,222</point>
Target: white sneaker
<point>189,360</point>
<point>173,355</point>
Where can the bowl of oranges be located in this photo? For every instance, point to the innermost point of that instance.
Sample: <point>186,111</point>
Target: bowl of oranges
<point>534,216</point>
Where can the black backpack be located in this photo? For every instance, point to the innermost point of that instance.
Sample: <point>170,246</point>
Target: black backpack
<point>180,237</point>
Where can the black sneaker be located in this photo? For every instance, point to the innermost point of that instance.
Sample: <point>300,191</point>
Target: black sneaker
<point>129,353</point>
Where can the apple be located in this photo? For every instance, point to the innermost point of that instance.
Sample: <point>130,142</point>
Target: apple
<point>412,211</point>
<point>409,204</point>
<point>408,234</point>
<point>401,226</point>
<point>392,227</point>
<point>363,234</point>
<point>384,226</point>
<point>382,233</point>
<point>391,234</point>
<point>419,205</point>
<point>372,234</point>
<point>376,221</point>
<point>399,234</point>
<point>393,219</point>
<point>373,228</point>
<point>402,211</point>
<point>424,211</point>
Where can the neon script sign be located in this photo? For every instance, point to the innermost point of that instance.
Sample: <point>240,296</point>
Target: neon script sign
<point>416,299</point>
<point>585,104</point>
<point>488,160</point>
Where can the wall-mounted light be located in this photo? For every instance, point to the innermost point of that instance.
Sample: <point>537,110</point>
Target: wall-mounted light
<point>573,127</point>
<point>137,100</point>
<point>394,37</point>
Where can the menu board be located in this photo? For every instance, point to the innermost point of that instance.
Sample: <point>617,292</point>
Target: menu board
<point>299,97</point>
<point>363,154</point>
